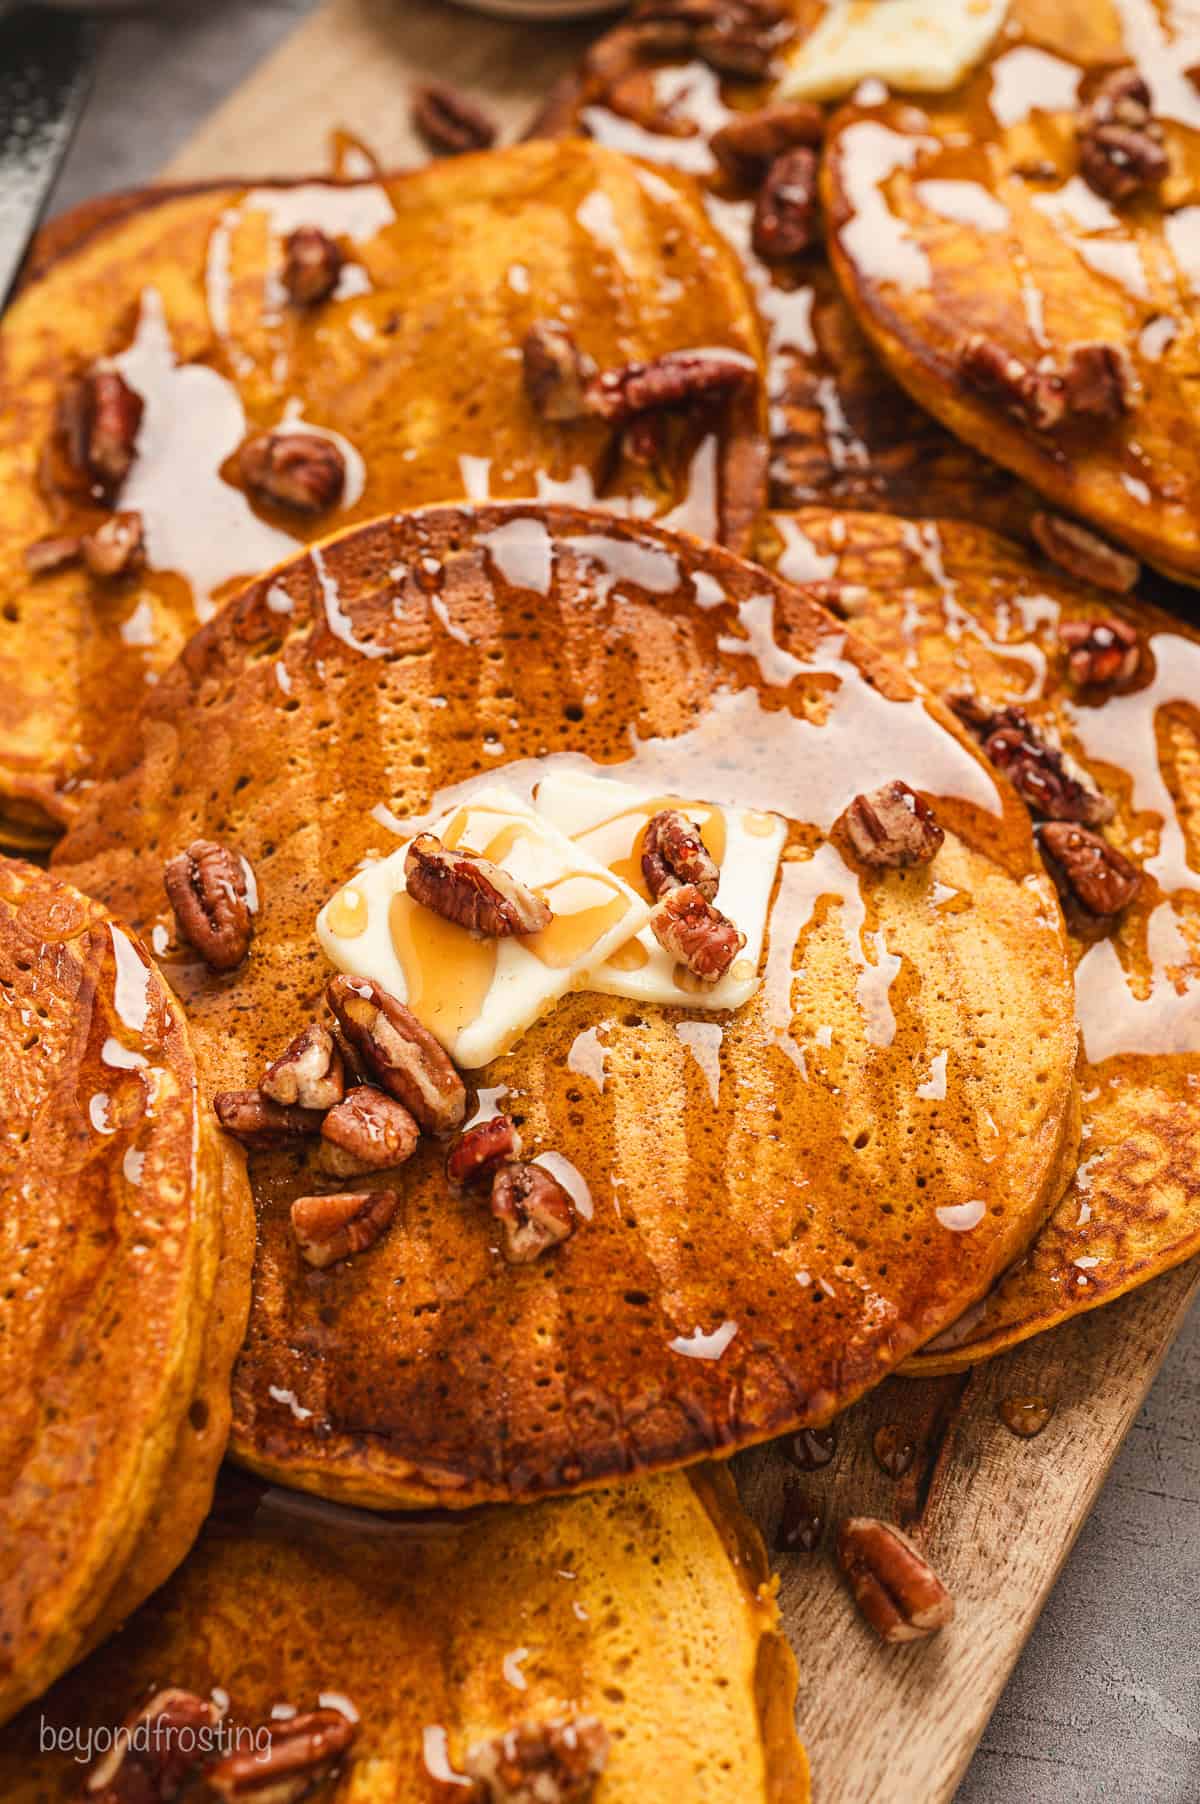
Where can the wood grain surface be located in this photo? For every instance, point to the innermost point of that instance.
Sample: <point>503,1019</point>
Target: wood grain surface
<point>997,1514</point>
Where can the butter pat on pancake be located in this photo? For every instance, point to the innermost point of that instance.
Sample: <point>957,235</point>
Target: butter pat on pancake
<point>128,1278</point>
<point>410,375</point>
<point>777,1215</point>
<point>1035,293</point>
<point>967,611</point>
<point>478,996</point>
<point>920,46</point>
<point>646,1606</point>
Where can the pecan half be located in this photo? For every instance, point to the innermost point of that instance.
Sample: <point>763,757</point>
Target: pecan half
<point>1035,397</point>
<point>312,265</point>
<point>676,379</point>
<point>786,213</point>
<point>309,1072</point>
<point>534,1210</point>
<point>478,1153</point>
<point>117,547</point>
<point>398,1052</point>
<point>1121,147</point>
<point>1101,654</point>
<point>156,1749</point>
<point>1099,381</point>
<point>368,1131</point>
<point>696,933</point>
<point>750,141</point>
<point>1084,555</point>
<point>1044,776</point>
<point>449,122</point>
<point>893,826</point>
<point>1084,866</point>
<point>556,1762</point>
<point>54,553</point>
<point>471,891</point>
<point>555,371</point>
<point>300,1753</point>
<point>673,854</point>
<point>300,470</point>
<point>329,1228</point>
<point>98,420</point>
<point>256,1120</point>
<point>206,886</point>
<point>892,1583</point>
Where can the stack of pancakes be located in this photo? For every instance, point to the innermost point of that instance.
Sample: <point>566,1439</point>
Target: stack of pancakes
<point>958,1107</point>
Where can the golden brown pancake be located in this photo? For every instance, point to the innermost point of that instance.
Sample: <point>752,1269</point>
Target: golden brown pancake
<point>1025,255</point>
<point>965,610</point>
<point>128,1254</point>
<point>647,1607</point>
<point>415,371</point>
<point>766,1185</point>
<point>843,432</point>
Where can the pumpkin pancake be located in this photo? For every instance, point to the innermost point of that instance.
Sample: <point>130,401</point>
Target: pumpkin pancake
<point>843,432</point>
<point>404,387</point>
<point>1023,254</point>
<point>774,1212</point>
<point>129,1251</point>
<point>964,610</point>
<point>648,1609</point>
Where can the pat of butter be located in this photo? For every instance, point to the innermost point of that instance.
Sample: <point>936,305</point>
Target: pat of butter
<point>606,820</point>
<point>919,46</point>
<point>479,996</point>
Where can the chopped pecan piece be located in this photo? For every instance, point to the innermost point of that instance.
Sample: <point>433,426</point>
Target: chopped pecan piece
<point>301,1752</point>
<point>207,888</point>
<point>367,1131</point>
<point>256,1120</point>
<point>750,141</point>
<point>45,555</point>
<point>1084,555</point>
<point>673,854</point>
<point>300,470</point>
<point>892,1583</point>
<point>1101,654</point>
<point>312,265</point>
<point>1035,397</point>
<point>786,213</point>
<point>1121,148</point>
<point>449,122</point>
<point>329,1228</point>
<point>156,1749</point>
<point>398,1052</point>
<point>893,826</point>
<point>696,933</point>
<point>534,1210</point>
<point>478,1153</point>
<point>309,1072</point>
<point>471,891</point>
<point>556,1762</point>
<point>676,379</point>
<point>99,417</point>
<point>555,371</point>
<point>1099,381</point>
<point>1043,775</point>
<point>1084,866</point>
<point>117,547</point>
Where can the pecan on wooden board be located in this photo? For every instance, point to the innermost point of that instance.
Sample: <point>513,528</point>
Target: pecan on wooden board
<point>891,1581</point>
<point>448,122</point>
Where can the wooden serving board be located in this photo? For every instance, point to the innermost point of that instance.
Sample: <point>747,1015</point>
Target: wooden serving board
<point>997,1514</point>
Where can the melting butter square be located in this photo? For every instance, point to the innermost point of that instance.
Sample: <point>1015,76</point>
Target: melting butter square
<point>606,820</point>
<point>479,996</point>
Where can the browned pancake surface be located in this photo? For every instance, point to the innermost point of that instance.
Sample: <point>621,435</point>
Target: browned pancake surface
<point>112,1200</point>
<point>1024,253</point>
<point>963,609</point>
<point>414,366</point>
<point>765,1241</point>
